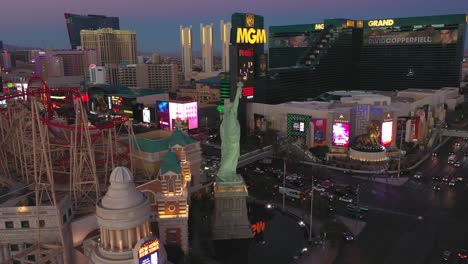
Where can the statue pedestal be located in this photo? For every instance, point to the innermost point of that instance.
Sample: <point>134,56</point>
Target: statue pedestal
<point>230,218</point>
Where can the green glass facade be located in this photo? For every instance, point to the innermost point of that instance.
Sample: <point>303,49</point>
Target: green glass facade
<point>381,54</point>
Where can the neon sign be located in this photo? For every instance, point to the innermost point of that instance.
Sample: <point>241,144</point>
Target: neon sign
<point>246,52</point>
<point>148,252</point>
<point>248,92</point>
<point>251,36</point>
<point>381,23</point>
<point>319,26</point>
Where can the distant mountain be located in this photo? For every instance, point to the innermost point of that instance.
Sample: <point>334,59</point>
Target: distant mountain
<point>14,48</point>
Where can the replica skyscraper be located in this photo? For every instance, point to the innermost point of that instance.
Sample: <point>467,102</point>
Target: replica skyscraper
<point>206,36</point>
<point>186,49</point>
<point>225,39</point>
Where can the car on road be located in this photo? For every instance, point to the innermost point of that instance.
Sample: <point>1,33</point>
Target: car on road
<point>351,190</point>
<point>462,254</point>
<point>356,215</point>
<point>437,187</point>
<point>434,154</point>
<point>327,195</point>
<point>353,208</point>
<point>451,153</point>
<point>459,178</point>
<point>451,183</point>
<point>446,256</point>
<point>346,199</point>
<point>457,164</point>
<point>418,175</point>
<point>436,178</point>
<point>347,236</point>
<point>445,179</point>
<point>457,144</point>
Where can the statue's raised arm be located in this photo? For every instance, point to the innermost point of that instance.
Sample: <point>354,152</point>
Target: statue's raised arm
<point>230,140</point>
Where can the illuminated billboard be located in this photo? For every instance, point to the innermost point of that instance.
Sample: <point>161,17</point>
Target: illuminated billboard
<point>162,111</point>
<point>146,115</point>
<point>183,112</point>
<point>148,253</point>
<point>298,125</point>
<point>378,37</point>
<point>387,132</point>
<point>340,134</point>
<point>320,131</point>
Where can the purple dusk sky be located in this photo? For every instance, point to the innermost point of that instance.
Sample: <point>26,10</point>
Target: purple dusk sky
<point>42,24</point>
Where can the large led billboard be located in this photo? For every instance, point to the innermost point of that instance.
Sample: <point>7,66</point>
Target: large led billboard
<point>162,110</point>
<point>376,37</point>
<point>298,125</point>
<point>320,131</point>
<point>387,132</point>
<point>340,134</point>
<point>183,112</point>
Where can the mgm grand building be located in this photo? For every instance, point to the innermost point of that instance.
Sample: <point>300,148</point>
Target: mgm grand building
<point>380,54</point>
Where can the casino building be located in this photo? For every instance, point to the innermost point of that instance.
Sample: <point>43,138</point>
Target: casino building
<point>361,124</point>
<point>379,54</point>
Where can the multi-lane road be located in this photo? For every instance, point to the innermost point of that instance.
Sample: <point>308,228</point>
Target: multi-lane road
<point>394,231</point>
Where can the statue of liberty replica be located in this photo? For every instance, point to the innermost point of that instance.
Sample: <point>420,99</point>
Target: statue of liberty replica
<point>230,218</point>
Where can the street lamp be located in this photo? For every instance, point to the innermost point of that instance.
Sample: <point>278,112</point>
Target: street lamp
<point>311,206</point>
<point>401,143</point>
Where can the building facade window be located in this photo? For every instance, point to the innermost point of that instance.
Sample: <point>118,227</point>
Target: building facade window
<point>9,225</point>
<point>24,224</point>
<point>41,223</point>
<point>171,185</point>
<point>14,247</point>
<point>64,218</point>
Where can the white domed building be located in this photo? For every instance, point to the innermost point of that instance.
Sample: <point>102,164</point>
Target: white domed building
<point>123,218</point>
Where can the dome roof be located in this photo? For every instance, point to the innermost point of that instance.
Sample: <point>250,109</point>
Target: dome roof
<point>121,175</point>
<point>122,193</point>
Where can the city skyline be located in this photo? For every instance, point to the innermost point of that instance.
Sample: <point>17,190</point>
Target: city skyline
<point>157,24</point>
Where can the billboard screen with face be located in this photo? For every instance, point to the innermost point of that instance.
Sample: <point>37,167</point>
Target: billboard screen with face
<point>387,132</point>
<point>340,134</point>
<point>320,131</point>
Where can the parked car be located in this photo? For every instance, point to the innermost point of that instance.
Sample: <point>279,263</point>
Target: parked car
<point>347,236</point>
<point>451,183</point>
<point>319,188</point>
<point>446,256</point>
<point>418,175</point>
<point>345,199</point>
<point>437,187</point>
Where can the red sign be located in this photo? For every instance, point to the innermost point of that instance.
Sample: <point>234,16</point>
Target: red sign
<point>248,92</point>
<point>246,52</point>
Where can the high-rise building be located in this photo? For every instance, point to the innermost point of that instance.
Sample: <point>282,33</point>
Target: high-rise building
<point>377,54</point>
<point>1,45</point>
<point>70,67</point>
<point>97,74</point>
<point>6,60</point>
<point>206,37</point>
<point>76,23</point>
<point>186,49</point>
<point>156,58</point>
<point>225,40</point>
<point>113,47</point>
<point>151,76</point>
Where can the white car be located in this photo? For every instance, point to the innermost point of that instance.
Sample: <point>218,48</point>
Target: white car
<point>457,164</point>
<point>346,199</point>
<point>319,188</point>
<point>418,175</point>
